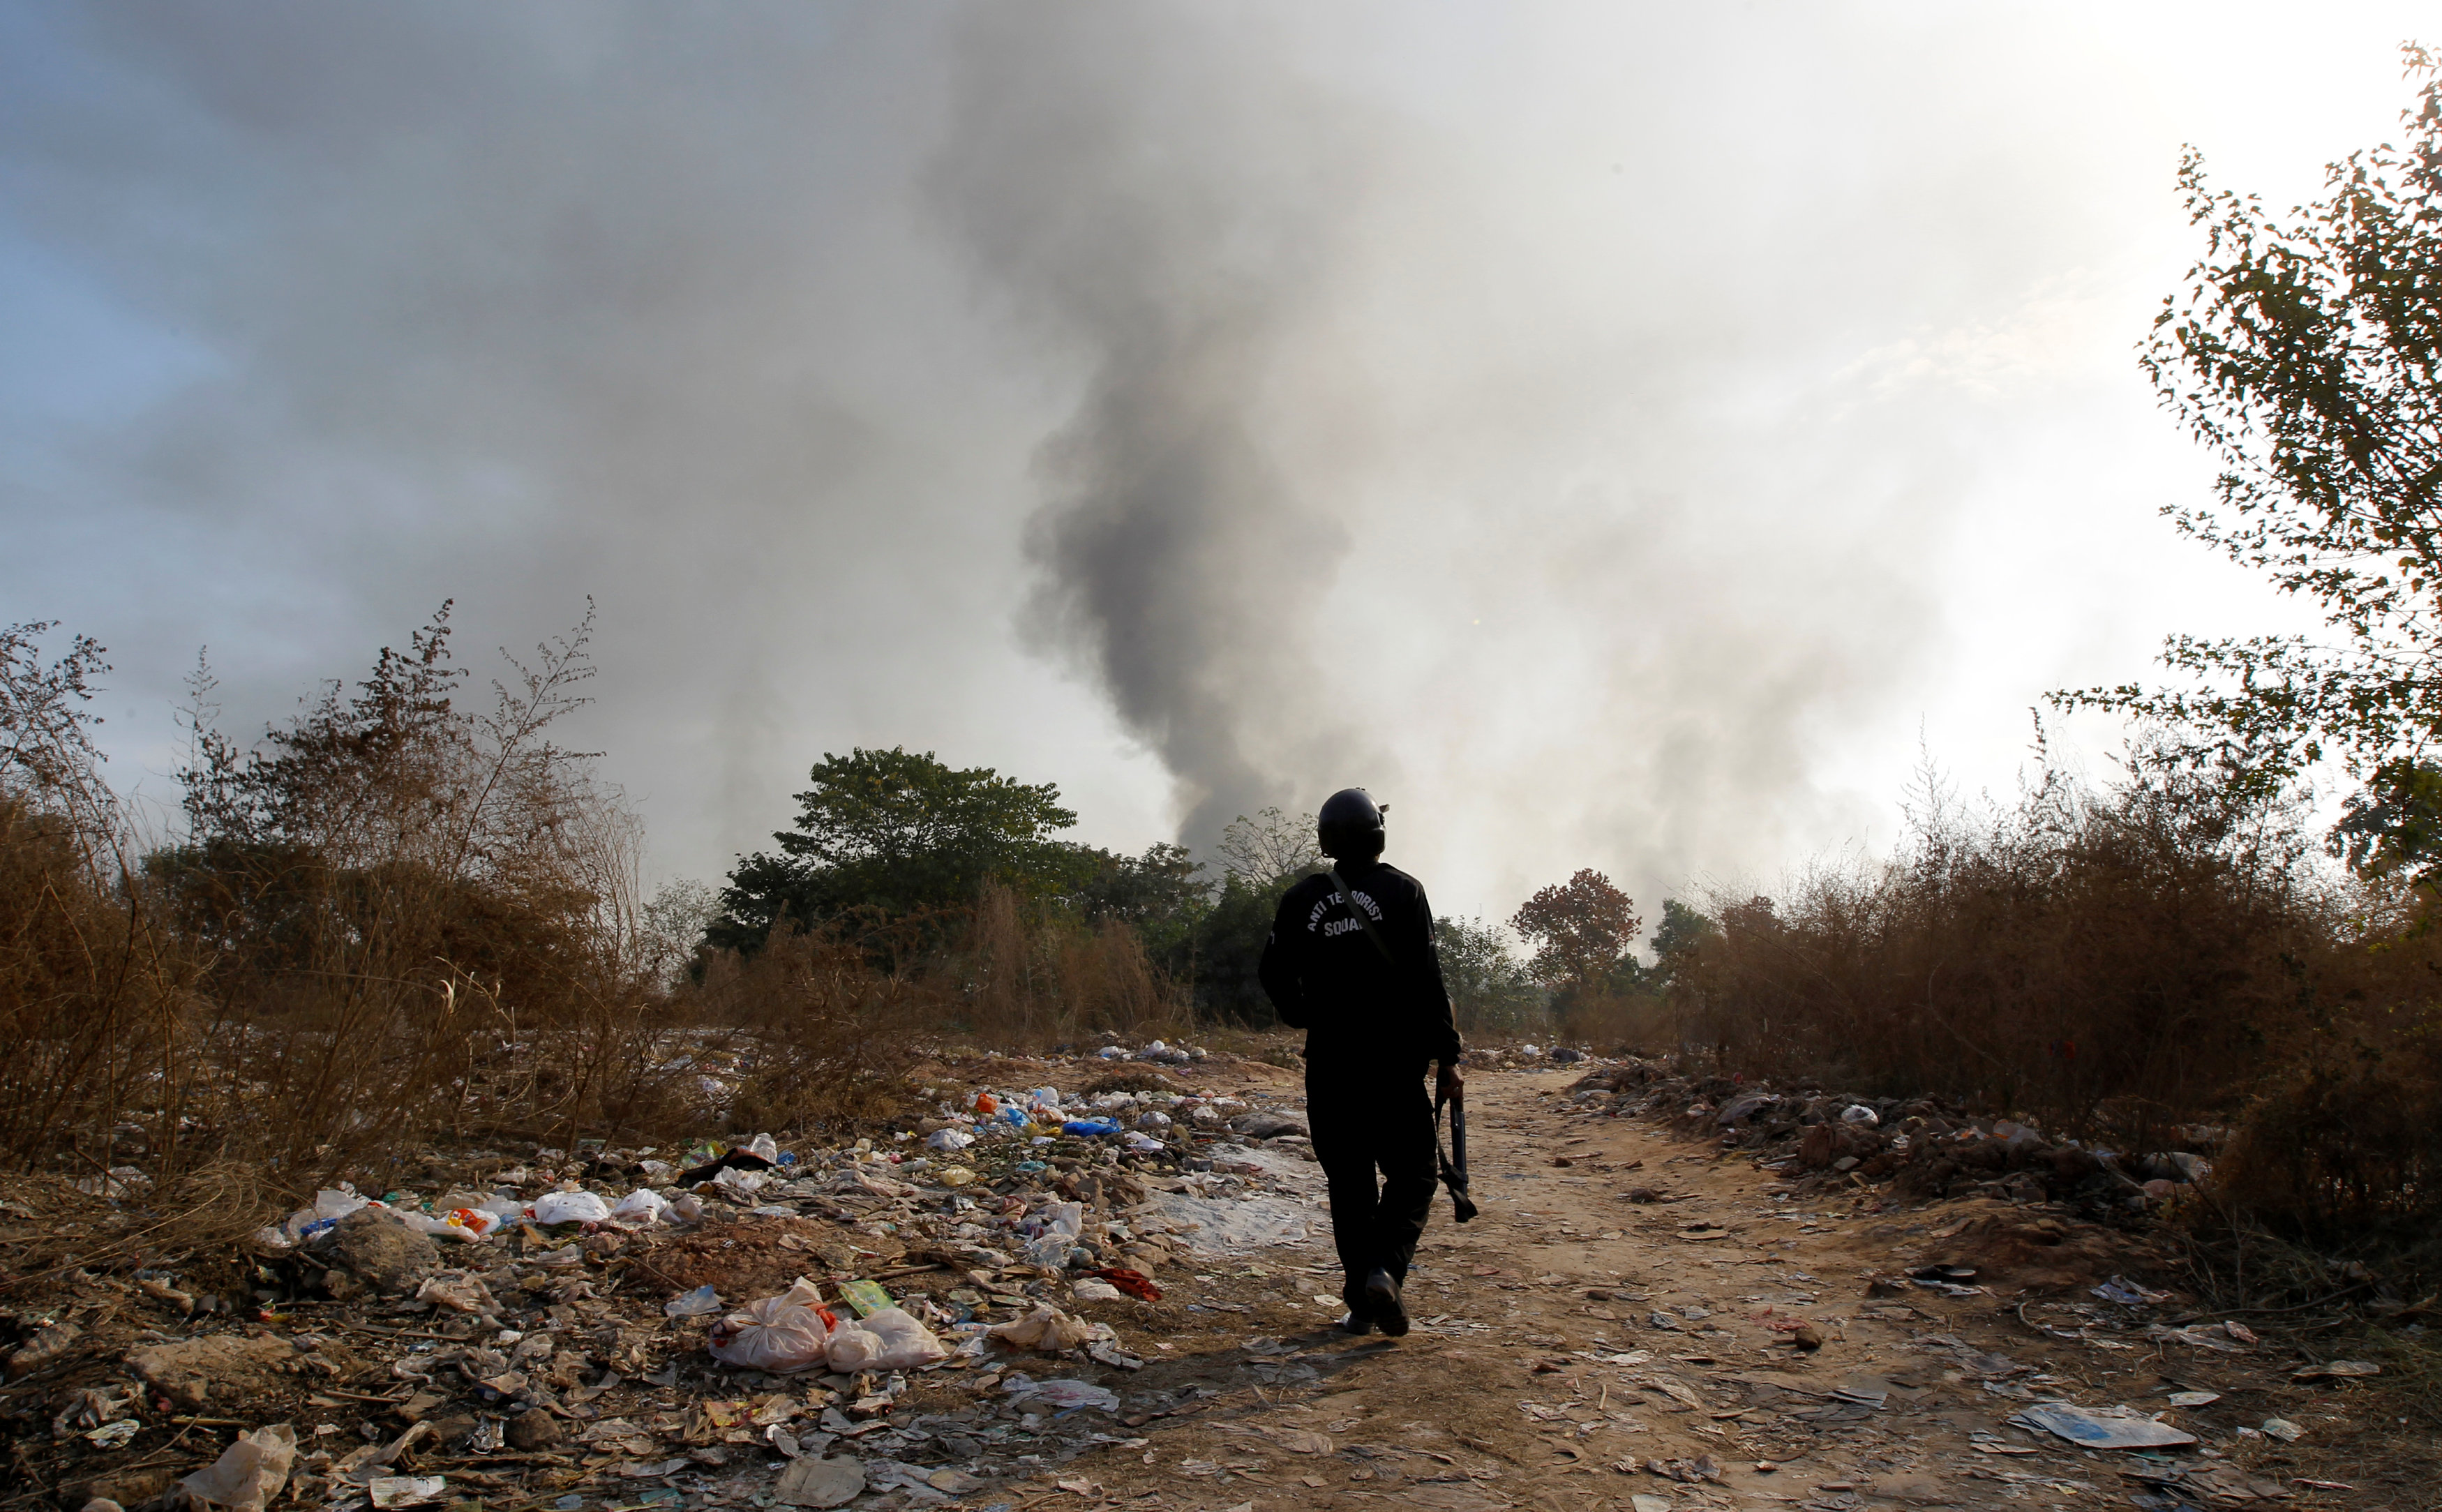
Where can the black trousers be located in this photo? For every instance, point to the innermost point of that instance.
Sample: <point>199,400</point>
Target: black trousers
<point>1374,1136</point>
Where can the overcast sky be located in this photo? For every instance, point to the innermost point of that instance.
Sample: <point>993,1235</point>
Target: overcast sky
<point>1618,435</point>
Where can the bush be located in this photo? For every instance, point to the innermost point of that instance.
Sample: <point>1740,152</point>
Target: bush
<point>2111,961</point>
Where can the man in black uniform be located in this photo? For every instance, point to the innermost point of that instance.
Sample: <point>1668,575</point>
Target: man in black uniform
<point>1351,961</point>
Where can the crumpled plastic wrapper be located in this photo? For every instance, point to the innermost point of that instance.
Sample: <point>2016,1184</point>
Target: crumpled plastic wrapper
<point>249,1473</point>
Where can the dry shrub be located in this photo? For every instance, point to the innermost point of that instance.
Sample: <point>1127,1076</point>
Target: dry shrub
<point>806,1034</point>
<point>392,919</point>
<point>2116,960</point>
<point>2348,1142</point>
<point>95,1008</point>
<point>2129,964</point>
<point>1611,1020</point>
<point>413,917</point>
<point>1029,976</point>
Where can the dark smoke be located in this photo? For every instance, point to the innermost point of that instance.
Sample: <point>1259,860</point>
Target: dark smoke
<point>1127,184</point>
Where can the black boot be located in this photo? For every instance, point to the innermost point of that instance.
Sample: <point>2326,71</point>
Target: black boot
<point>1382,1295</point>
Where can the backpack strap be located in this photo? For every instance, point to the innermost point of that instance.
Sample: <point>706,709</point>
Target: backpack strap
<point>1347,897</point>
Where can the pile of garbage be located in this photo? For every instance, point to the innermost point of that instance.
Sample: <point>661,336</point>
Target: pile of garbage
<point>1522,1057</point>
<point>924,1309</point>
<point>1923,1148</point>
<point>1157,1052</point>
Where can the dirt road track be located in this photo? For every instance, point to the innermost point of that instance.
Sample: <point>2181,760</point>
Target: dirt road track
<point>1580,1348</point>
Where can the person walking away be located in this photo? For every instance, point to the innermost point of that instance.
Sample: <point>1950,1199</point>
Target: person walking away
<point>1351,961</point>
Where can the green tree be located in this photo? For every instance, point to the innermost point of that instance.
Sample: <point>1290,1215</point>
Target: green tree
<point>893,833</point>
<point>1489,987</point>
<point>1584,931</point>
<point>2304,353</point>
<point>1161,895</point>
<point>1682,931</point>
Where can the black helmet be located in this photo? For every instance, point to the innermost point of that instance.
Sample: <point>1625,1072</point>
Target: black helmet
<point>1350,826</point>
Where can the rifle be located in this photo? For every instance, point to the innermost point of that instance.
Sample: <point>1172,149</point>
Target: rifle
<point>1453,1171</point>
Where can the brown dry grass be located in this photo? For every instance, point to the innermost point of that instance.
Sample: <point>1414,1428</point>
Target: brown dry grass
<point>2123,964</point>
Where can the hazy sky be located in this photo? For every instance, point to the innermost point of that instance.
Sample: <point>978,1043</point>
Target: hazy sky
<point>1618,435</point>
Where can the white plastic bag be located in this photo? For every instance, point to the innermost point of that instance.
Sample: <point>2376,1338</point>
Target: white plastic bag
<point>249,1473</point>
<point>889,1339</point>
<point>570,1207</point>
<point>765,1146</point>
<point>948,1141</point>
<point>1047,1328</point>
<point>783,1335</point>
<point>642,1205</point>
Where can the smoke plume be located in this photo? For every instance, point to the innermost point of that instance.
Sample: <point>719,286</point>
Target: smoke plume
<point>1172,216</point>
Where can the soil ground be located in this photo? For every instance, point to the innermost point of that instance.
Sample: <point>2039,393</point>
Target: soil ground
<point>1570,1340</point>
<point>1624,1326</point>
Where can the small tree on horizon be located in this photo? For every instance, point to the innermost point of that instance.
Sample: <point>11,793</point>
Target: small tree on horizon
<point>1584,931</point>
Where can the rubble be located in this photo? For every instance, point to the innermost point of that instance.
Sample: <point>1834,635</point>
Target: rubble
<point>1921,1149</point>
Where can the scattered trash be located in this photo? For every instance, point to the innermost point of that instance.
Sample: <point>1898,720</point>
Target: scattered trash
<point>740,1160</point>
<point>1135,1283</point>
<point>1064,1396</point>
<point>2127,1293</point>
<point>249,1473</point>
<point>2195,1398</point>
<point>2284,1430</point>
<point>1859,1116</point>
<point>700,1302</point>
<point>642,1205</point>
<point>390,1491</point>
<point>1045,1329</point>
<point>2335,1370</point>
<point>783,1334</point>
<point>885,1339</point>
<point>570,1207</point>
<point>2117,1428</point>
<point>866,1298</point>
<point>2203,1335</point>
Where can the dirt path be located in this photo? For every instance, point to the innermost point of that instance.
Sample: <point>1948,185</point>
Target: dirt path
<point>1576,1348</point>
